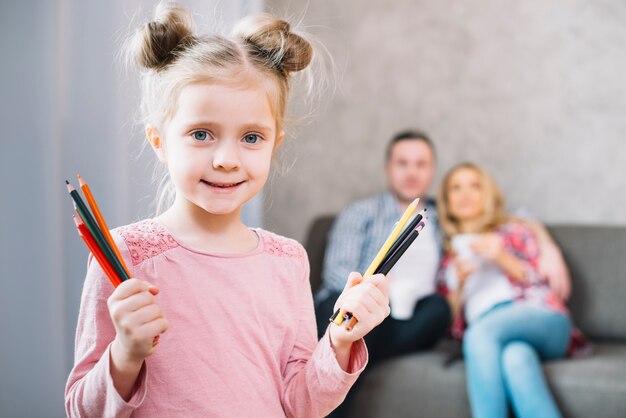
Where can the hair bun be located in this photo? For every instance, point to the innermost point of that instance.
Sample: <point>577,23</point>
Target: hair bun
<point>157,41</point>
<point>286,50</point>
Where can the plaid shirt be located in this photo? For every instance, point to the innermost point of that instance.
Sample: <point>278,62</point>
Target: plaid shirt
<point>358,233</point>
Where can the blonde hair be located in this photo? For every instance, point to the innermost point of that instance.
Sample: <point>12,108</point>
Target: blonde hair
<point>172,57</point>
<point>494,214</point>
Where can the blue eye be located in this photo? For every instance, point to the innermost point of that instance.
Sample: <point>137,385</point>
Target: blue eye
<point>252,139</point>
<point>200,135</point>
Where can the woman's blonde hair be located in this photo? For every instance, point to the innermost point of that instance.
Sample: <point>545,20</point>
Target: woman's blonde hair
<point>172,57</point>
<point>494,213</point>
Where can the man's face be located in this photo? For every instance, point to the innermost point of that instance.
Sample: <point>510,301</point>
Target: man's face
<point>410,169</point>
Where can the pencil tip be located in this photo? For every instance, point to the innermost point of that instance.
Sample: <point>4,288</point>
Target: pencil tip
<point>67,182</point>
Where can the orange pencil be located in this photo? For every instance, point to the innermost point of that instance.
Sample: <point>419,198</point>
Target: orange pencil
<point>95,251</point>
<point>100,219</point>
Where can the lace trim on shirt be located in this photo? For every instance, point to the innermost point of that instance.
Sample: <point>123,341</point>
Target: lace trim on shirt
<point>146,239</point>
<point>281,246</point>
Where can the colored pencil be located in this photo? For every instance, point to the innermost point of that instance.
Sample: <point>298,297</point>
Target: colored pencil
<point>338,319</point>
<point>100,219</point>
<point>403,236</point>
<point>95,251</point>
<point>386,267</point>
<point>95,234</point>
<point>392,238</point>
<point>93,228</point>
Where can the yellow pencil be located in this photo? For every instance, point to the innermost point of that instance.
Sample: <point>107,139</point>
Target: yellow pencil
<point>386,246</point>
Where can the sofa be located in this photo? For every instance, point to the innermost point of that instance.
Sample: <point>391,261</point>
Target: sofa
<point>428,384</point>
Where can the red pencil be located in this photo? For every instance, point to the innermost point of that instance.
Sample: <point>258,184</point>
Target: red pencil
<point>96,252</point>
<point>100,220</point>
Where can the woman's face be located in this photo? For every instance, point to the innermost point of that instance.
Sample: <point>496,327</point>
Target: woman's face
<point>465,195</point>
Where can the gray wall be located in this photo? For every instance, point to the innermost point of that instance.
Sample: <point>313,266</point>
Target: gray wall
<point>532,90</point>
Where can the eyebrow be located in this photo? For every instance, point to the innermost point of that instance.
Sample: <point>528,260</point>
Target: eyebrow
<point>258,127</point>
<point>246,126</point>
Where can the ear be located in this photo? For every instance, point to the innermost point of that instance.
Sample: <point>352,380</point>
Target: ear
<point>156,142</point>
<point>279,140</point>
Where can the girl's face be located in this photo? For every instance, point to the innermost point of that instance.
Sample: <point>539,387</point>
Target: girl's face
<point>219,145</point>
<point>465,195</point>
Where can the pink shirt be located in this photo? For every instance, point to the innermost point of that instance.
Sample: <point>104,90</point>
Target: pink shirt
<point>241,341</point>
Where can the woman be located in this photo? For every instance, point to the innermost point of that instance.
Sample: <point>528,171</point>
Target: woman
<point>490,277</point>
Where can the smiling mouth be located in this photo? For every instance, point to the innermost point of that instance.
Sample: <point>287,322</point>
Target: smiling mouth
<point>222,185</point>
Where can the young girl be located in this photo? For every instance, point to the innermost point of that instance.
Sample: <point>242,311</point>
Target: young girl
<point>236,302</point>
<point>491,279</point>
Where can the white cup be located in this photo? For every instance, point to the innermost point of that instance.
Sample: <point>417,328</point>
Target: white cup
<point>462,246</point>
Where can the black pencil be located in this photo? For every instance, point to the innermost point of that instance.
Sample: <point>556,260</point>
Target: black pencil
<point>391,260</point>
<point>91,224</point>
<point>405,233</point>
<point>410,227</point>
<point>386,266</point>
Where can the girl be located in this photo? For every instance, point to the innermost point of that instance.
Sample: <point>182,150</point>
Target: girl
<point>236,302</point>
<point>491,279</point>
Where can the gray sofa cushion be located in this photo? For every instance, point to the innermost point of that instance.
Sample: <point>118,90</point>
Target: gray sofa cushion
<point>591,387</point>
<point>416,385</point>
<point>596,257</point>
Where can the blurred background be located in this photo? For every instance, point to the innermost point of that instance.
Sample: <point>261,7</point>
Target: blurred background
<point>532,90</point>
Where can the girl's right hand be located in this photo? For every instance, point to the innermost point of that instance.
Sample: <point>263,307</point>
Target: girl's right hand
<point>137,318</point>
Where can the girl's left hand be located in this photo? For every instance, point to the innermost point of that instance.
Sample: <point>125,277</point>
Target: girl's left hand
<point>368,300</point>
<point>489,246</point>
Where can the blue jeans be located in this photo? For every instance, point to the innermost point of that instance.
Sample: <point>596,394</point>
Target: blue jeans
<point>503,350</point>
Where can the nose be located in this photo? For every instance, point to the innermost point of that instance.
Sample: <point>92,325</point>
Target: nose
<point>226,156</point>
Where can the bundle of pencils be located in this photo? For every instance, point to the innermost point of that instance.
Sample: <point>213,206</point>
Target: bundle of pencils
<point>394,247</point>
<point>95,233</point>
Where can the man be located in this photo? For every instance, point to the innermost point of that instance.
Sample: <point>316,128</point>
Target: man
<point>419,316</point>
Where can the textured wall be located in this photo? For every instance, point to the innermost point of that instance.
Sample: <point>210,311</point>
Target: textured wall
<point>532,90</point>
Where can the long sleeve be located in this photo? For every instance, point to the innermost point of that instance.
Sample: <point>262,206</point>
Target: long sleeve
<point>345,247</point>
<point>314,383</point>
<point>520,241</point>
<point>89,391</point>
